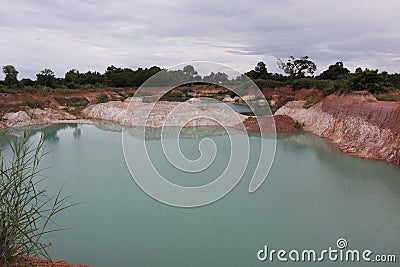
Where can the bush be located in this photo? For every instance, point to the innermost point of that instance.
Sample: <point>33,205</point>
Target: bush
<point>334,86</point>
<point>299,125</point>
<point>36,104</point>
<point>72,101</point>
<point>25,208</point>
<point>173,96</point>
<point>268,83</point>
<point>308,83</point>
<point>101,99</point>
<point>388,97</point>
<point>367,80</point>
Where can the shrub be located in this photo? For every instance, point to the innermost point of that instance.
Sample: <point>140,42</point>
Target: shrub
<point>36,104</point>
<point>299,125</point>
<point>173,96</point>
<point>308,83</point>
<point>268,83</point>
<point>101,99</point>
<point>309,102</point>
<point>72,101</point>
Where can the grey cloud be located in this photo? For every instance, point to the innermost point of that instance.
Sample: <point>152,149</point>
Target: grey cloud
<point>94,34</point>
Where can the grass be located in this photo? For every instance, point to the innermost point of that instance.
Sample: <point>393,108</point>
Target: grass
<point>26,210</point>
<point>101,99</point>
<point>72,101</point>
<point>35,104</point>
<point>387,97</point>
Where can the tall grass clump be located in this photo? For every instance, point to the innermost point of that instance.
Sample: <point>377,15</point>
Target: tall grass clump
<point>26,209</point>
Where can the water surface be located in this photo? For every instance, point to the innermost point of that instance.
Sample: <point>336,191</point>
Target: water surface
<point>313,196</point>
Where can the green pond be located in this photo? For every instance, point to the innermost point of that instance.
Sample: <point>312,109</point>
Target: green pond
<point>313,196</point>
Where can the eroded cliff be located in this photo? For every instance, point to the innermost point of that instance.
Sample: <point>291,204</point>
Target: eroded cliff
<point>358,123</point>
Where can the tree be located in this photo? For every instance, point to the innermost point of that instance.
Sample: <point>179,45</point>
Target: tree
<point>119,77</point>
<point>27,82</point>
<point>259,72</point>
<point>216,78</point>
<point>189,71</point>
<point>334,72</point>
<point>297,67</point>
<point>72,76</point>
<point>367,80</point>
<point>10,75</point>
<point>46,77</point>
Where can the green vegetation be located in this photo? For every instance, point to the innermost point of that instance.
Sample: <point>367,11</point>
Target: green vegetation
<point>26,210</point>
<point>178,94</point>
<point>283,102</point>
<point>72,101</point>
<point>10,75</point>
<point>311,99</point>
<point>36,104</point>
<point>387,97</point>
<point>299,125</point>
<point>297,67</point>
<point>101,99</point>
<point>299,74</point>
<point>335,78</point>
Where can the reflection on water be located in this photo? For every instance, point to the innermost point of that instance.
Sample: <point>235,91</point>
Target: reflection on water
<point>50,132</point>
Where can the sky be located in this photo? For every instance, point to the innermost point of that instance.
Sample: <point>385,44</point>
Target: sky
<point>91,35</point>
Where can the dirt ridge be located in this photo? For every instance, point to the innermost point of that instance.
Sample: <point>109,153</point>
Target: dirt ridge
<point>358,123</point>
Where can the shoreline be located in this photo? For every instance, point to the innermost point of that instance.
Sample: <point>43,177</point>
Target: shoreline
<point>357,124</point>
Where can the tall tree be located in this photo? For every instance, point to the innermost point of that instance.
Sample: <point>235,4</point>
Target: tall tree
<point>260,72</point>
<point>297,67</point>
<point>189,71</point>
<point>46,77</point>
<point>72,76</point>
<point>10,75</point>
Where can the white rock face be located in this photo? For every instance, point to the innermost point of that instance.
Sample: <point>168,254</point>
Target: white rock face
<point>180,114</point>
<point>16,117</point>
<point>35,116</point>
<point>228,99</point>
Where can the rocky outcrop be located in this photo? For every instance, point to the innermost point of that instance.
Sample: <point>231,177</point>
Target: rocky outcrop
<point>162,113</point>
<point>183,114</point>
<point>36,117</point>
<point>133,112</point>
<point>358,123</point>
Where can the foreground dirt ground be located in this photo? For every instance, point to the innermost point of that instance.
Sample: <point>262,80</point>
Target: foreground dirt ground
<point>36,262</point>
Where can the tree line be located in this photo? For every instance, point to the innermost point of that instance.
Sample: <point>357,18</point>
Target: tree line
<point>299,73</point>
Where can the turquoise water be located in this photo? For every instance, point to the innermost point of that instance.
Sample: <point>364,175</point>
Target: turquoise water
<point>313,196</point>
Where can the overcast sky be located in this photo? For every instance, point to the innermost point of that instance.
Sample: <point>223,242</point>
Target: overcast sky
<point>91,35</point>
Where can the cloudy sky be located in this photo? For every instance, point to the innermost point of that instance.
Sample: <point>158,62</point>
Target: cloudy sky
<point>91,35</point>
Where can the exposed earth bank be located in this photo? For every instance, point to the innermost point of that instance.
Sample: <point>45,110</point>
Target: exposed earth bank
<point>181,114</point>
<point>358,123</point>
